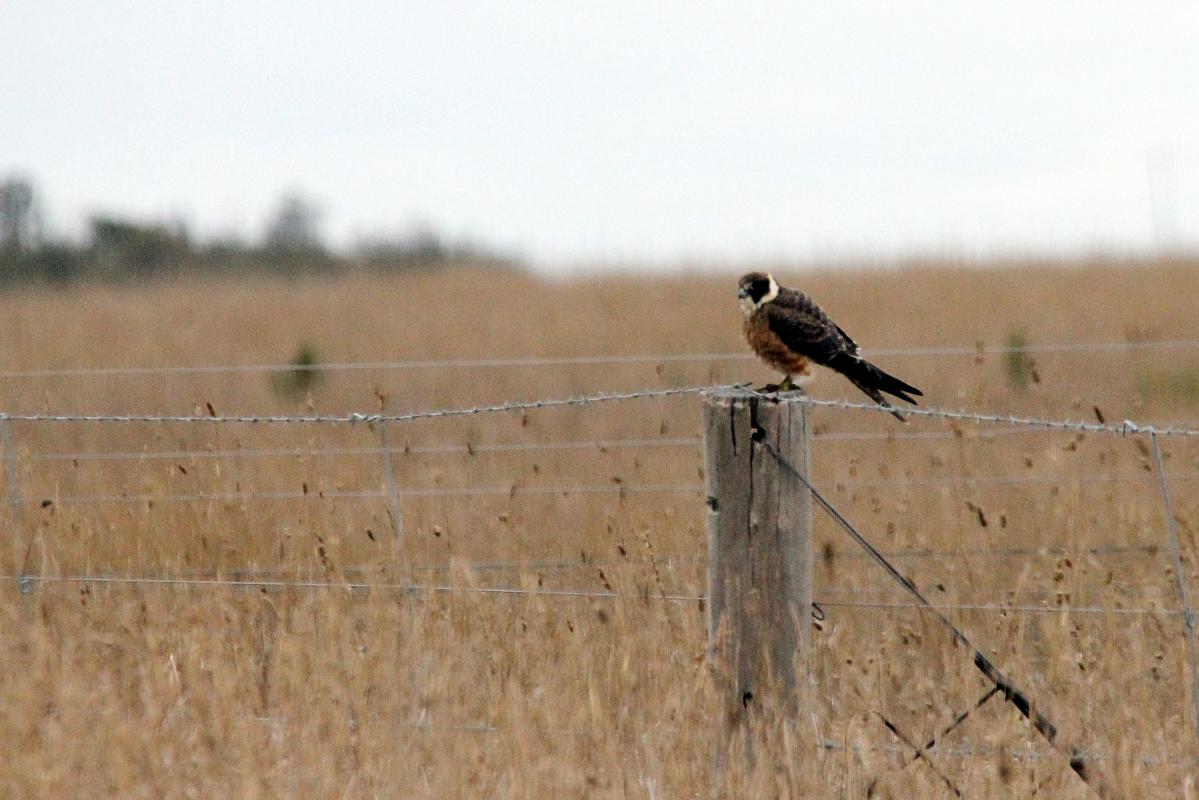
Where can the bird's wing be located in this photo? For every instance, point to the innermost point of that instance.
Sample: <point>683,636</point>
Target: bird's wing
<point>805,328</point>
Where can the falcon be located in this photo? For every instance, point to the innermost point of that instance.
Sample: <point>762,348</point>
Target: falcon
<point>788,331</point>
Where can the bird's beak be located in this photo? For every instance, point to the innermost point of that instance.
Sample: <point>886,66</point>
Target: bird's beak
<point>742,294</point>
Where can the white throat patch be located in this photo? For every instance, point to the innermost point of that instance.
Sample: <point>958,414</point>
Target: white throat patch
<point>773,293</point>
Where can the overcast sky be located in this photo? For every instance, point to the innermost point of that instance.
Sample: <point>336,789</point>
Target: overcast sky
<point>621,131</point>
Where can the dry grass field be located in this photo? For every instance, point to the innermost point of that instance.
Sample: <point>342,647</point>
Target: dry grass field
<point>327,680</point>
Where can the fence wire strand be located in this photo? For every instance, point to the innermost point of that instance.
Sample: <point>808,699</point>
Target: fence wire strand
<point>28,581</point>
<point>1125,428</point>
<point>514,491</point>
<point>472,448</point>
<point>585,360</point>
<point>247,581</point>
<point>355,417</point>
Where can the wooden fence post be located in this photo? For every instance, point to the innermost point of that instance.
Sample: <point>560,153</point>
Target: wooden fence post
<point>759,559</point>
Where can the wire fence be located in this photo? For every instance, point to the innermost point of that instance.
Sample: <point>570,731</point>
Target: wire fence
<point>584,360</point>
<point>473,449</point>
<point>212,418</point>
<point>621,488</point>
<point>855,602</point>
<point>819,604</point>
<point>1125,428</point>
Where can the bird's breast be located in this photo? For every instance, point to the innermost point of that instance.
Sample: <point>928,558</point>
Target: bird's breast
<point>773,350</point>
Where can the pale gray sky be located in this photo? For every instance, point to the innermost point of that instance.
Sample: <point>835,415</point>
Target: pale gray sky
<point>620,131</point>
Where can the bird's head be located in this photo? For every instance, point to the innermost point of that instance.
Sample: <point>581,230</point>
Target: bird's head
<point>754,289</point>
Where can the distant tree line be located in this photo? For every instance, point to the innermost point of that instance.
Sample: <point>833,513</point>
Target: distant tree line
<point>116,248</point>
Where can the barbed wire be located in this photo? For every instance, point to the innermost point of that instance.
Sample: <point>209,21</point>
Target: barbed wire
<point>356,417</point>
<point>586,360</point>
<point>1125,428</point>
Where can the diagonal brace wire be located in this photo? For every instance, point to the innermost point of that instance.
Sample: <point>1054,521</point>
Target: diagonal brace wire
<point>1011,692</point>
<point>921,752</point>
<point>891,726</point>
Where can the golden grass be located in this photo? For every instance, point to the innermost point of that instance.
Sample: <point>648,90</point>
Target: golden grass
<point>158,690</point>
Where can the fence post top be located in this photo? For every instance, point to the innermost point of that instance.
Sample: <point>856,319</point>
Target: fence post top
<point>743,392</point>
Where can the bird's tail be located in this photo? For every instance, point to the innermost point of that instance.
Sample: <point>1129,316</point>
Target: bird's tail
<point>872,380</point>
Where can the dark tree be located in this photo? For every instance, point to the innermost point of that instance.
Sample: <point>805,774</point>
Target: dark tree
<point>128,249</point>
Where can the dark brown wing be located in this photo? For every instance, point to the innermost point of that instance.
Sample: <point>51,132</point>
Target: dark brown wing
<point>805,328</point>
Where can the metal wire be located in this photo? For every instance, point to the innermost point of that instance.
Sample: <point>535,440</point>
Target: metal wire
<point>335,419</point>
<point>589,360</point>
<point>1126,428</point>
<point>365,494</point>
<point>474,449</point>
<point>249,582</point>
<point>565,491</point>
<point>996,608</point>
<point>1008,552</point>
<point>455,449</point>
<point>1012,693</point>
<point>613,488</point>
<point>210,583</point>
<point>1004,480</point>
<point>695,560</point>
<point>536,565</point>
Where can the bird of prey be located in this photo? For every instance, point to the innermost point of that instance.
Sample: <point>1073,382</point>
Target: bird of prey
<point>789,332</point>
